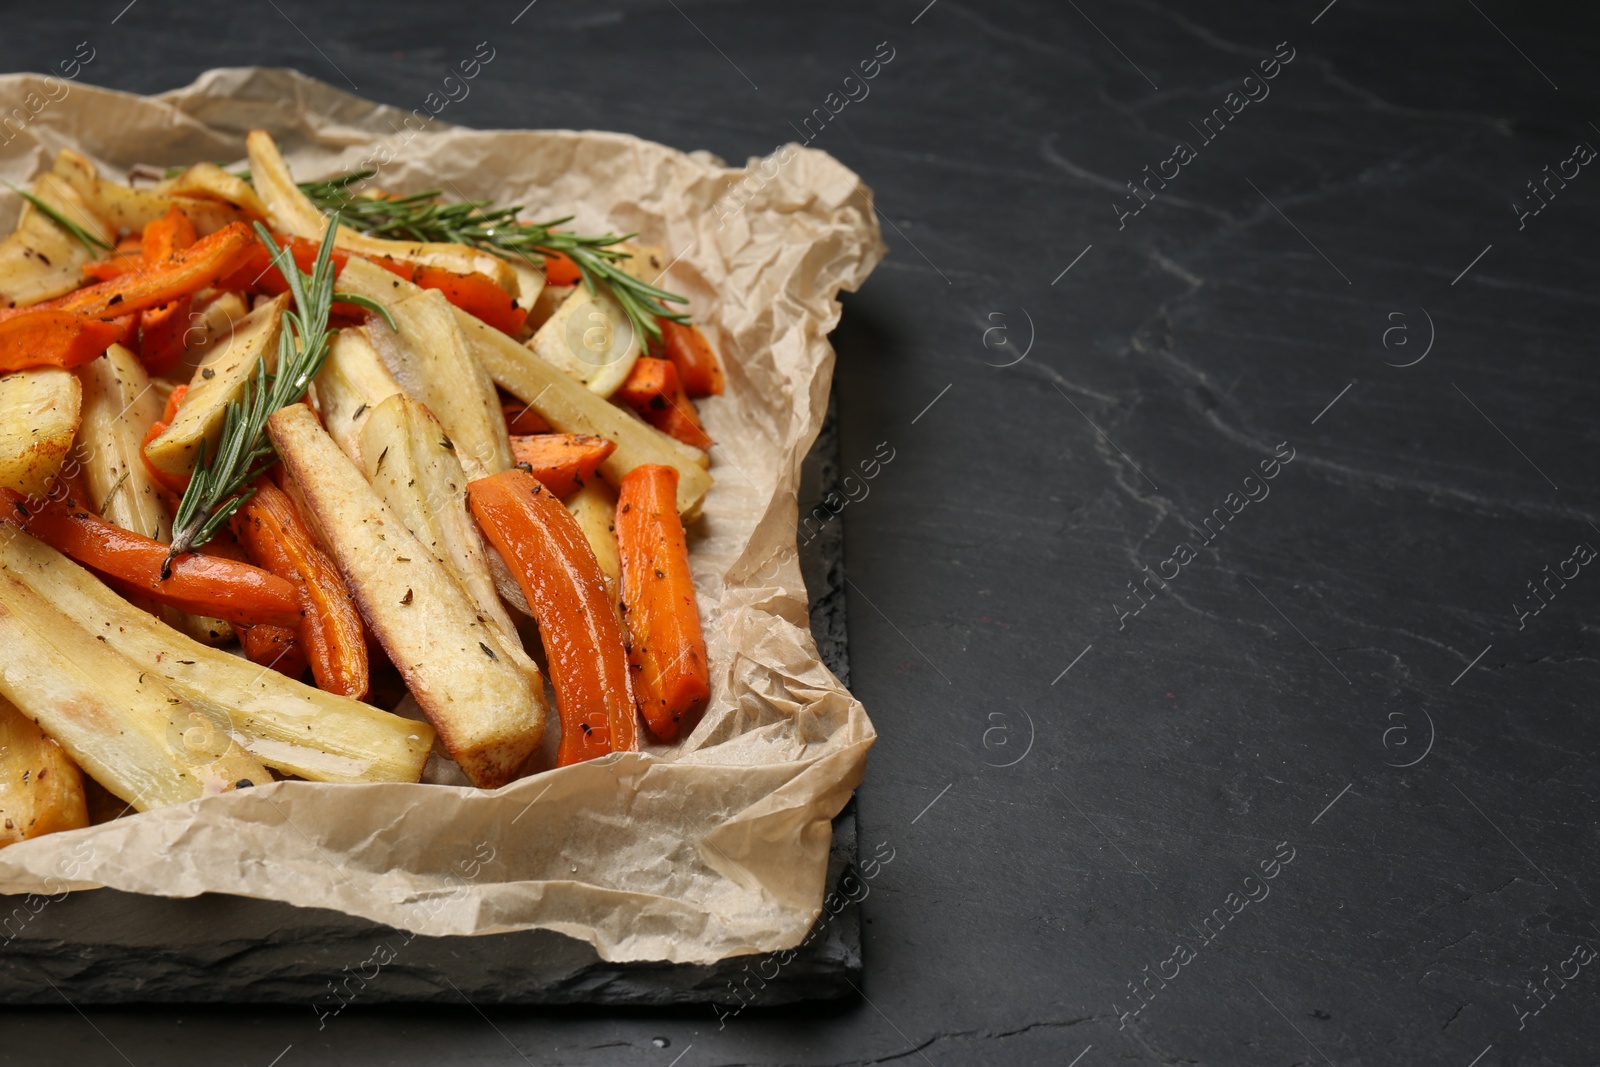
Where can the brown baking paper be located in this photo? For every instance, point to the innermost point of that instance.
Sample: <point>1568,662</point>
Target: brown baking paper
<point>715,847</point>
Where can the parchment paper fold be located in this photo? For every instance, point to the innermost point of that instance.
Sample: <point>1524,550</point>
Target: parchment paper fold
<point>715,847</point>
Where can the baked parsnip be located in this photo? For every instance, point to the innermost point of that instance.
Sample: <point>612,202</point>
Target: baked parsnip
<point>40,411</point>
<point>292,727</point>
<point>221,378</point>
<point>406,461</point>
<point>41,259</point>
<point>428,357</point>
<point>353,381</point>
<point>41,789</point>
<point>489,710</point>
<point>127,729</point>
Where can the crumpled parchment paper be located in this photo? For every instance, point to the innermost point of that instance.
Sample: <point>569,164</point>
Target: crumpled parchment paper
<point>715,847</point>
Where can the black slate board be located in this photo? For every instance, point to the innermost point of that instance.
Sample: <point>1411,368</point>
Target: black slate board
<point>108,947</point>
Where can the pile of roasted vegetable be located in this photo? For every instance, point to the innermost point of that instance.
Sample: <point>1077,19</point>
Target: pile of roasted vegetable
<point>273,455</point>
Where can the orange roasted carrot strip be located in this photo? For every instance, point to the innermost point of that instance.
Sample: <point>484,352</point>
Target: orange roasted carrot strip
<point>173,483</point>
<point>174,400</point>
<point>173,232</point>
<point>170,483</point>
<point>201,585</point>
<point>277,538</point>
<point>476,294</point>
<point>563,462</point>
<point>258,277</point>
<point>115,265</point>
<point>161,329</point>
<point>558,574</point>
<point>522,419</point>
<point>127,256</point>
<point>651,384</point>
<point>259,274</point>
<point>161,333</point>
<point>666,649</point>
<point>679,421</point>
<point>653,390</point>
<point>277,647</point>
<point>53,338</point>
<point>68,330</point>
<point>202,264</point>
<point>691,353</point>
<point>560,270</point>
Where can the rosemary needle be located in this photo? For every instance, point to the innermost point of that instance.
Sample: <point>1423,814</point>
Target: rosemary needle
<point>421,217</point>
<point>220,483</point>
<point>89,240</point>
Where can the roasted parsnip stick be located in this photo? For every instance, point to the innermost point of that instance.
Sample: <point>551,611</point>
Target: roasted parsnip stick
<point>127,729</point>
<point>41,789</point>
<point>488,708</point>
<point>286,725</point>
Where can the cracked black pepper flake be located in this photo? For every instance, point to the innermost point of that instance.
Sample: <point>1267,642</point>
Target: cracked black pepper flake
<point>487,651</point>
<point>407,598</point>
<point>359,410</point>
<point>207,373</point>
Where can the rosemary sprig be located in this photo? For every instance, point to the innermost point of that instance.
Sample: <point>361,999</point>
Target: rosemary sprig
<point>221,483</point>
<point>88,240</point>
<point>421,217</point>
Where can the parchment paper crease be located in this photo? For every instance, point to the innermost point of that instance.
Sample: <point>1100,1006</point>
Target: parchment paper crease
<point>714,848</point>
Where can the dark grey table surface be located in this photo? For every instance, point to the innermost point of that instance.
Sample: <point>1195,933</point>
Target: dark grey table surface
<point>1319,791</point>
